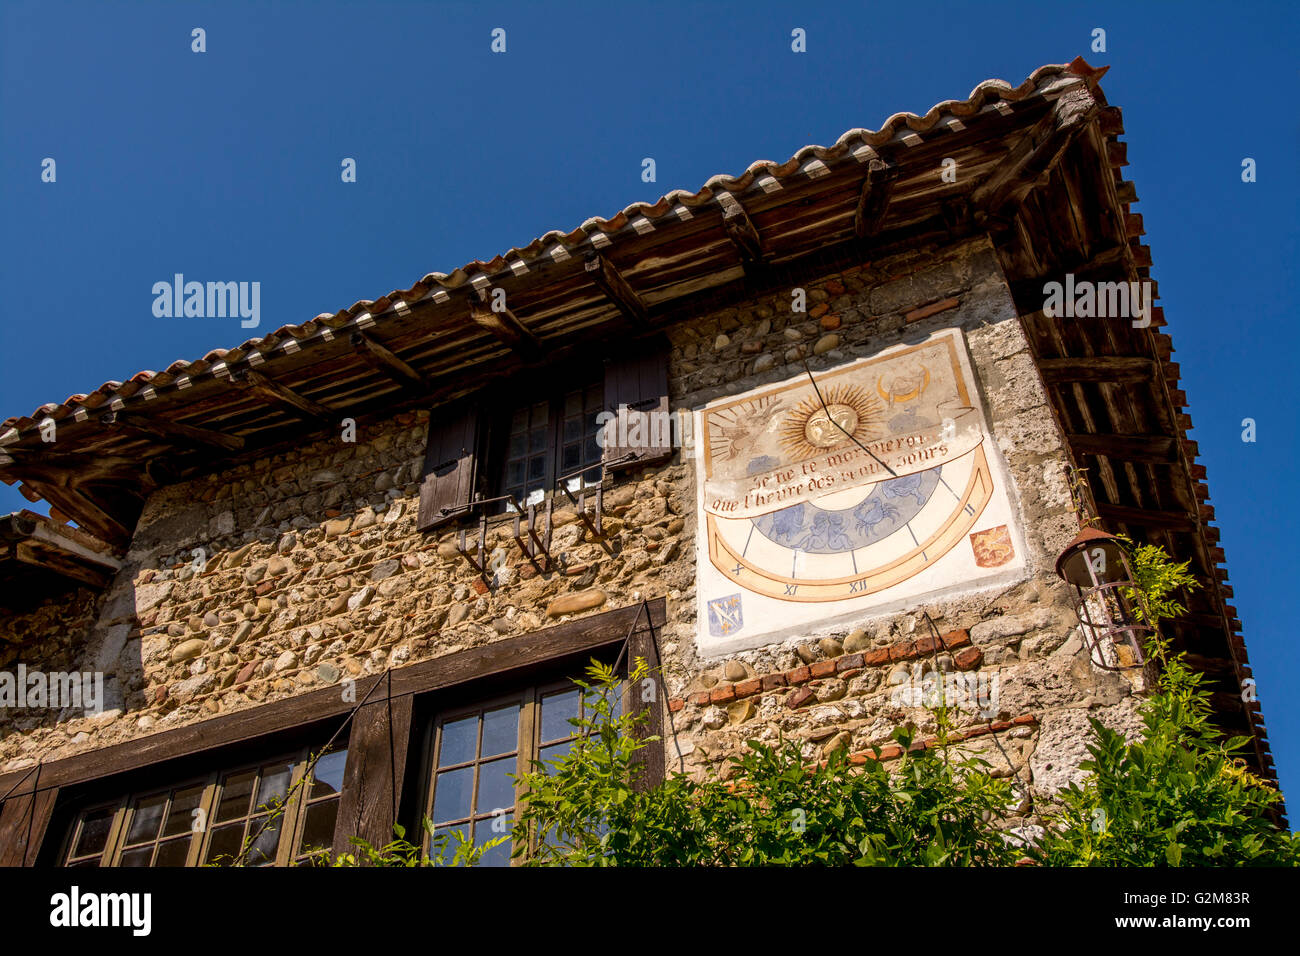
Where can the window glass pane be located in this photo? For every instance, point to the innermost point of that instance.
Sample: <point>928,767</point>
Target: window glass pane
<point>459,741</point>
<point>570,461</point>
<point>94,831</point>
<point>537,468</point>
<point>148,815</point>
<point>93,861</point>
<point>236,794</point>
<point>450,849</point>
<point>573,428</point>
<point>500,730</point>
<point>518,446</point>
<point>180,819</point>
<point>556,751</point>
<point>541,412</point>
<point>451,797</point>
<point>140,857</point>
<point>318,827</point>
<point>484,831</point>
<point>327,776</point>
<point>537,440</point>
<point>262,851</point>
<point>173,852</point>
<point>225,843</point>
<point>496,791</point>
<point>275,784</point>
<point>556,711</point>
<point>573,403</point>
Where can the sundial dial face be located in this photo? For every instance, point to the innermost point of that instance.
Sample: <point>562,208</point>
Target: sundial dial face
<point>801,520</point>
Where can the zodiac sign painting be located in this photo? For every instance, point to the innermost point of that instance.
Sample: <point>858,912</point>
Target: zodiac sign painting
<point>869,489</point>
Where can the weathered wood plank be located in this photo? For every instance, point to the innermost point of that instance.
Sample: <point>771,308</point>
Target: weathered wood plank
<point>378,742</point>
<point>24,817</point>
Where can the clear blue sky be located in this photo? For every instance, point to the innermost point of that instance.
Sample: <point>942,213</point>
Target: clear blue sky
<point>225,166</point>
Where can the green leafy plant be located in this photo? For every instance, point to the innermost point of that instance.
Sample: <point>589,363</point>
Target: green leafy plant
<point>401,852</point>
<point>588,809</point>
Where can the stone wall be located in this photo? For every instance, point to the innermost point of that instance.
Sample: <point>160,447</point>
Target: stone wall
<point>298,571</point>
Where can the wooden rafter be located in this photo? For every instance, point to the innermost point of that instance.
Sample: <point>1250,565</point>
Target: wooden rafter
<point>161,430</point>
<point>873,201</point>
<point>505,325</point>
<point>380,357</point>
<point>271,390</point>
<point>1034,157</point>
<point>616,288</point>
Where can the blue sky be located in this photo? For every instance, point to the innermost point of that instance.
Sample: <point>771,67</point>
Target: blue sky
<point>225,166</point>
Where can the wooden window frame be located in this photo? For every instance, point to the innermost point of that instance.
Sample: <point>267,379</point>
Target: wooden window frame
<point>126,804</point>
<point>496,451</point>
<point>529,690</point>
<point>42,803</point>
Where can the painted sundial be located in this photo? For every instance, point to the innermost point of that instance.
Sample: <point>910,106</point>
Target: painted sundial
<point>870,487</point>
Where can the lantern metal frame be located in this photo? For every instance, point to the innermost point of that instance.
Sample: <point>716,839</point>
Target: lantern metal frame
<point>1118,615</point>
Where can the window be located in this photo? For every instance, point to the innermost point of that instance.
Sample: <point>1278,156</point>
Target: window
<point>474,749</point>
<point>210,820</point>
<point>549,440</point>
<point>492,444</point>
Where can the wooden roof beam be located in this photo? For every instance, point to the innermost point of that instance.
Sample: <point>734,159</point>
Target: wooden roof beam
<point>616,288</point>
<point>1118,369</point>
<point>163,431</point>
<point>505,325</point>
<point>873,202</point>
<point>272,391</point>
<point>1148,517</point>
<point>87,514</point>
<point>1034,157</point>
<point>380,357</point>
<point>1157,449</point>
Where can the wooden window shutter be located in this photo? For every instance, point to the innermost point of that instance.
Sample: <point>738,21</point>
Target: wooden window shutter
<point>636,391</point>
<point>450,461</point>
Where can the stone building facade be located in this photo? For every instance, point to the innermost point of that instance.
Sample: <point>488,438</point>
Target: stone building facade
<point>263,597</point>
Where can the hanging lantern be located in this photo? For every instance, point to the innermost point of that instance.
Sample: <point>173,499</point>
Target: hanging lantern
<point>1109,605</point>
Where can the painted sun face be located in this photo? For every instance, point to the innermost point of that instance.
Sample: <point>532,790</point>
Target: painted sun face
<point>850,413</point>
<point>828,428</point>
